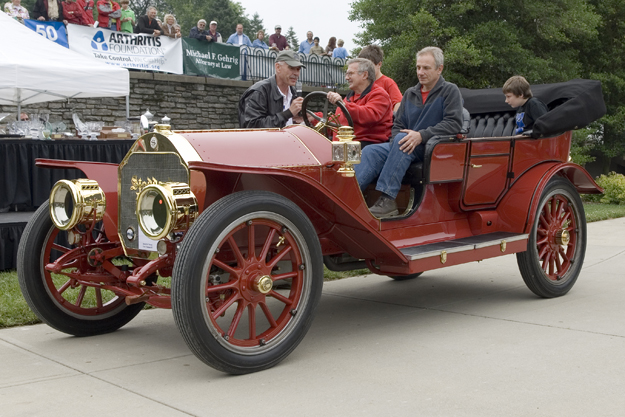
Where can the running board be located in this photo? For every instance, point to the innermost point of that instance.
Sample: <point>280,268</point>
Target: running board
<point>442,249</point>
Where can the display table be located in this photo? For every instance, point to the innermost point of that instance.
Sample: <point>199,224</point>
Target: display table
<point>24,187</point>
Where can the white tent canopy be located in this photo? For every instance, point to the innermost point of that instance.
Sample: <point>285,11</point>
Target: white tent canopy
<point>34,69</point>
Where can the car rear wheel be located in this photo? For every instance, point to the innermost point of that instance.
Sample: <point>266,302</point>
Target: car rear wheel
<point>69,300</point>
<point>557,242</point>
<point>246,282</point>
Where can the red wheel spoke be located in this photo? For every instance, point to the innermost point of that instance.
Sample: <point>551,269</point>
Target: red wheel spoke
<point>552,264</point>
<point>543,251</point>
<point>564,255</point>
<point>279,256</point>
<point>227,303</point>
<point>252,319</point>
<point>284,276</point>
<point>270,319</point>
<point>221,287</point>
<point>267,245</point>
<point>225,267</point>
<point>558,263</point>
<point>236,251</point>
<point>546,259</point>
<point>65,286</point>
<point>81,295</point>
<point>566,218</point>
<point>280,297</point>
<point>554,207</point>
<point>559,209</point>
<point>60,248</point>
<point>236,319</point>
<point>251,244</point>
<point>98,297</point>
<point>544,222</point>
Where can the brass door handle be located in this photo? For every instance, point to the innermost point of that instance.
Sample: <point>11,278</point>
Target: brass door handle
<point>476,166</point>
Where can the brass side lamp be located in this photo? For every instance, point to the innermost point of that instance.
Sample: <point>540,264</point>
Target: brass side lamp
<point>346,151</point>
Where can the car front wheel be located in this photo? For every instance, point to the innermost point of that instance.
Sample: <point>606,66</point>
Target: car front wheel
<point>246,281</point>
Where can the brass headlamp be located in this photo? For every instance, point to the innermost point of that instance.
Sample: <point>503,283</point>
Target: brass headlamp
<point>346,150</point>
<point>76,202</point>
<point>165,208</point>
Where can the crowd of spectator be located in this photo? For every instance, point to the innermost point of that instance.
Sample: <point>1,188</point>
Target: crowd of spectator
<point>118,16</point>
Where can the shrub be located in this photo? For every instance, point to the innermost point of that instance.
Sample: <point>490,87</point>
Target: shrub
<point>614,189</point>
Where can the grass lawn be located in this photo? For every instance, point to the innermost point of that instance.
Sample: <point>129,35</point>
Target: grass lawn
<point>598,211</point>
<point>15,312</point>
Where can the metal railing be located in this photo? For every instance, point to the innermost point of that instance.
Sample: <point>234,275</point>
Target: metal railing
<point>321,71</point>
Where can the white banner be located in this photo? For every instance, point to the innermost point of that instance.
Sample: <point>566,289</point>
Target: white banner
<point>128,50</point>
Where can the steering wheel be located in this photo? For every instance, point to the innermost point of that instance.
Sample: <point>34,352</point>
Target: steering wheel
<point>328,122</point>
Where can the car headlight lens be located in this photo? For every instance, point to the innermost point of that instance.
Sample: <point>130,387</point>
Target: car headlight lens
<point>76,202</point>
<point>165,208</point>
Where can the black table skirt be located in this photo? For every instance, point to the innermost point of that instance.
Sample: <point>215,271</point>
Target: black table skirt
<point>24,187</point>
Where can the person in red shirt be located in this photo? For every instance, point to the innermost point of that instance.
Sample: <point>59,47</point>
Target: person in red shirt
<point>73,13</point>
<point>375,54</point>
<point>87,6</point>
<point>367,103</point>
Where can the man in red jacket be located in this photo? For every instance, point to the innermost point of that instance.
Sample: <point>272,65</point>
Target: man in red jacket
<point>74,13</point>
<point>367,103</point>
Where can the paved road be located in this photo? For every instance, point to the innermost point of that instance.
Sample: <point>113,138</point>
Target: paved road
<point>470,340</point>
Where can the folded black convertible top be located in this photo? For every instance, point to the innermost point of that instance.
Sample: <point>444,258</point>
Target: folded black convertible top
<point>572,104</point>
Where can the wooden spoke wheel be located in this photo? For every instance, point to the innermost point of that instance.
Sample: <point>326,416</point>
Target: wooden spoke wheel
<point>246,281</point>
<point>70,300</point>
<point>557,242</point>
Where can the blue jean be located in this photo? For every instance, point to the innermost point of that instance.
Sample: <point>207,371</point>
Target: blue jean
<point>388,163</point>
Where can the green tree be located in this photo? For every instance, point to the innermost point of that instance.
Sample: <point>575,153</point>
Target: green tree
<point>225,12</point>
<point>485,42</point>
<point>140,7</point>
<point>256,24</point>
<point>291,39</point>
<point>603,59</point>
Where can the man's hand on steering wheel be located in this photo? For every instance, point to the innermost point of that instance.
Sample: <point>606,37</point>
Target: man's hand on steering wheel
<point>296,106</point>
<point>327,121</point>
<point>333,97</point>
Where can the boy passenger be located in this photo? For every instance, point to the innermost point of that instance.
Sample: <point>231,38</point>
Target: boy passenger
<point>529,108</point>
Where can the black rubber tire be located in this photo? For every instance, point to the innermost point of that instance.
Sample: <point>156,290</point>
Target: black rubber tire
<point>536,278</point>
<point>30,272</point>
<point>190,307</point>
<point>405,277</point>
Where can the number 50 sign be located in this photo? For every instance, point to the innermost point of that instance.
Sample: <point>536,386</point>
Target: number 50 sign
<point>54,31</point>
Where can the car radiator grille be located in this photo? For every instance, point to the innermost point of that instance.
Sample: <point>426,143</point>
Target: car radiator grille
<point>145,168</point>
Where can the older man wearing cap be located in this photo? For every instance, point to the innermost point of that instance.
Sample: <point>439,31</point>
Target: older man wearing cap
<point>278,40</point>
<point>271,103</point>
<point>213,35</point>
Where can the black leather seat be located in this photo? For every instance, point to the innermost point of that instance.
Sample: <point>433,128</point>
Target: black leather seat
<point>492,125</point>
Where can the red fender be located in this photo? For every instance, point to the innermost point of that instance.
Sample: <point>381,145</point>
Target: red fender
<point>106,176</point>
<point>338,219</point>
<point>518,208</point>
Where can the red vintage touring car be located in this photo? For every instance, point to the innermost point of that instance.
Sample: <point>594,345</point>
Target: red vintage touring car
<point>243,221</point>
